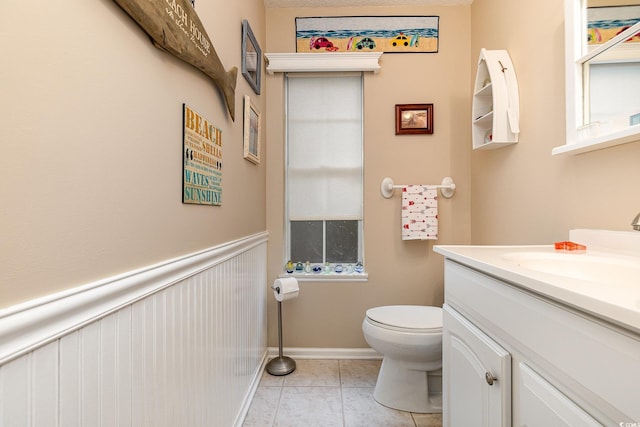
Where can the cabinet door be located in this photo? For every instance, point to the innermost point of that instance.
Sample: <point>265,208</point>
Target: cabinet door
<point>476,376</point>
<point>541,404</point>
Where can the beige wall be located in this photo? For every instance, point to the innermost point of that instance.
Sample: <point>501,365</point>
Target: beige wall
<point>91,145</point>
<point>521,194</point>
<point>90,153</point>
<point>331,314</point>
<point>515,195</point>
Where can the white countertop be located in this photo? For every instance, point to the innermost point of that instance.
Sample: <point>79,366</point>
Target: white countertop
<point>615,299</point>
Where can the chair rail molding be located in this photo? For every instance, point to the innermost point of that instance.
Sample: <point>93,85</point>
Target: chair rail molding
<point>30,325</point>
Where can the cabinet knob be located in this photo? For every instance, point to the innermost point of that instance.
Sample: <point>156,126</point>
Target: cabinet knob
<point>490,378</point>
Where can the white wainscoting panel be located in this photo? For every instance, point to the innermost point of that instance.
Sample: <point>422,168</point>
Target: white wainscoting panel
<point>186,350</point>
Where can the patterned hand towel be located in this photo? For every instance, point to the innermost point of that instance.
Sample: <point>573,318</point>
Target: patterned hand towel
<point>419,213</point>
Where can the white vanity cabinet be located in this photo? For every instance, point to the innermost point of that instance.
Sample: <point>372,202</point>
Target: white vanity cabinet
<point>555,365</point>
<point>478,373</point>
<point>541,404</point>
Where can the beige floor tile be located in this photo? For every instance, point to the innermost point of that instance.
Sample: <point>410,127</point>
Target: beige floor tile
<point>310,407</point>
<point>269,380</point>
<point>264,405</point>
<point>359,373</point>
<point>314,373</point>
<point>328,393</point>
<point>361,410</point>
<point>428,420</point>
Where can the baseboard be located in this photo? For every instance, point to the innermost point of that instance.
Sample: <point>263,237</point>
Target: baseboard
<point>326,353</point>
<point>246,404</point>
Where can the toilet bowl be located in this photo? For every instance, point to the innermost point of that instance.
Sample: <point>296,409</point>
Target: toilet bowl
<point>409,337</point>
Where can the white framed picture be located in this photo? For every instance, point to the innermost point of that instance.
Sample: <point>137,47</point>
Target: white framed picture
<point>251,131</point>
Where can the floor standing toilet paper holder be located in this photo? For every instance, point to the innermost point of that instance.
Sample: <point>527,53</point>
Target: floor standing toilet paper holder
<point>281,365</point>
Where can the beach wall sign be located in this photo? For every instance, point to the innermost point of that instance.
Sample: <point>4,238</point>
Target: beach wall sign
<point>400,34</point>
<point>202,160</point>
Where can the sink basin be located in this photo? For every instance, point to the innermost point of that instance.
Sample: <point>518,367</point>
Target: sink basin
<point>600,268</point>
<point>603,281</point>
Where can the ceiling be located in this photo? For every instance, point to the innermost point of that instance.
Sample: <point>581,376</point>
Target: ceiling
<point>274,4</point>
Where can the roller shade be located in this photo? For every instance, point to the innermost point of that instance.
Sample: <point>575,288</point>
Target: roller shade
<point>324,147</point>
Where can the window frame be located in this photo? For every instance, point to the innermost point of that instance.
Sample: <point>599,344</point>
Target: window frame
<point>576,54</point>
<point>333,276</point>
<point>360,249</point>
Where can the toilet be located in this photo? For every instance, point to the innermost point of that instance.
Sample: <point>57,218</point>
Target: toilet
<point>409,337</point>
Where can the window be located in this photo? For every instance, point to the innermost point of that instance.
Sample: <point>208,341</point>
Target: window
<point>324,170</point>
<point>587,127</point>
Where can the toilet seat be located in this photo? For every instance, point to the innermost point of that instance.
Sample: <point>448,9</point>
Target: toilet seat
<point>407,318</point>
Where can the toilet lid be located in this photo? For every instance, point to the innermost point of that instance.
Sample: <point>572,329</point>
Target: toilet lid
<point>407,316</point>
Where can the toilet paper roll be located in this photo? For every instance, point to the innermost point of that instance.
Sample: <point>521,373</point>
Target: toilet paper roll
<point>285,288</point>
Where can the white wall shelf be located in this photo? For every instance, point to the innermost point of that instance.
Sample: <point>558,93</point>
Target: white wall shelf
<point>318,62</point>
<point>496,112</point>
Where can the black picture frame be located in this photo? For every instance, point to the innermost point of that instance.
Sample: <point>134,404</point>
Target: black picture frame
<point>251,57</point>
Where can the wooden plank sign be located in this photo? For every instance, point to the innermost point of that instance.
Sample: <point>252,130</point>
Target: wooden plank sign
<point>174,27</point>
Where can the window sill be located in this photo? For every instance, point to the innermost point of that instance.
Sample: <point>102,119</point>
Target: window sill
<point>332,277</point>
<point>626,136</point>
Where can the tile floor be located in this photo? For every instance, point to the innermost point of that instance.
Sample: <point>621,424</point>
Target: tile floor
<point>328,393</point>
